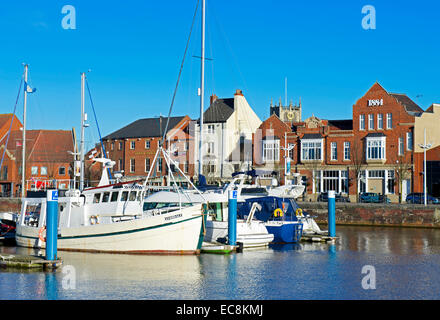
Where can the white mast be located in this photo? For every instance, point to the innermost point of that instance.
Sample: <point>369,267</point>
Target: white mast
<point>23,166</point>
<point>202,90</point>
<point>81,179</point>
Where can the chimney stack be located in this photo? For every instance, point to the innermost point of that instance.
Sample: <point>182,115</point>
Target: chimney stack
<point>212,99</point>
<point>238,92</point>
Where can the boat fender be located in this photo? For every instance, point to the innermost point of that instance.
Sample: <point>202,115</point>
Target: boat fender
<point>40,233</point>
<point>278,212</point>
<point>299,212</point>
<point>94,220</point>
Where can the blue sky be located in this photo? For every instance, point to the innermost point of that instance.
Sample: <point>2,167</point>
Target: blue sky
<point>134,49</point>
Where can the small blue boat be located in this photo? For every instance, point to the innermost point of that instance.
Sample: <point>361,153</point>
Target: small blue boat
<point>279,216</point>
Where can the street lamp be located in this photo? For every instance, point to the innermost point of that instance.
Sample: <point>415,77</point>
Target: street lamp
<point>425,147</point>
<point>286,156</point>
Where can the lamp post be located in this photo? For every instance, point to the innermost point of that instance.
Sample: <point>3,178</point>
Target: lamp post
<point>425,147</point>
<point>286,156</point>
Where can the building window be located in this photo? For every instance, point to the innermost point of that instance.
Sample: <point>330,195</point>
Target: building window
<point>147,164</point>
<point>334,151</point>
<point>132,165</point>
<point>389,120</point>
<point>291,146</point>
<point>34,171</point>
<point>120,165</point>
<point>380,121</point>
<point>120,145</point>
<point>332,180</point>
<point>159,165</point>
<point>371,122</point>
<point>409,141</point>
<point>147,144</point>
<point>391,182</point>
<point>362,122</point>
<point>185,166</point>
<point>61,171</point>
<point>210,128</point>
<point>132,145</point>
<point>401,147</point>
<point>210,148</point>
<point>43,171</point>
<point>5,173</point>
<point>186,146</point>
<point>271,150</point>
<point>347,151</point>
<point>311,150</point>
<point>376,148</point>
<point>112,145</point>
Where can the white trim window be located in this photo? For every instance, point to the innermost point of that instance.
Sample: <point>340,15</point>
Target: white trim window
<point>132,145</point>
<point>271,150</point>
<point>400,146</point>
<point>389,120</point>
<point>376,148</point>
<point>409,141</point>
<point>147,144</point>
<point>210,148</point>
<point>347,150</point>
<point>132,165</point>
<point>334,151</point>
<point>371,122</point>
<point>147,164</point>
<point>311,149</point>
<point>362,122</point>
<point>380,121</point>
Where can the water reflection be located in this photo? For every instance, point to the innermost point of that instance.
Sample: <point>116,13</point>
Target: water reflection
<point>290,271</point>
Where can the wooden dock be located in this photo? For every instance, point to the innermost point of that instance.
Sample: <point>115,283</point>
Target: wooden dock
<point>318,238</point>
<point>28,262</point>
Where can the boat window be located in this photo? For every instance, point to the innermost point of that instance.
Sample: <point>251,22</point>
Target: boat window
<point>106,197</point>
<point>96,198</point>
<point>124,196</point>
<point>215,209</point>
<point>114,196</point>
<point>32,215</point>
<point>139,196</point>
<point>159,205</point>
<point>132,195</point>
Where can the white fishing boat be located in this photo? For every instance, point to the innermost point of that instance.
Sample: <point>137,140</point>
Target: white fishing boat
<point>111,218</point>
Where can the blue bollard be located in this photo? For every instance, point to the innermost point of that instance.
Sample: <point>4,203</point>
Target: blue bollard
<point>331,214</point>
<point>232,217</point>
<point>51,224</point>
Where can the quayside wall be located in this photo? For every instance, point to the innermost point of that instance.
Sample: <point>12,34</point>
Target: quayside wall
<point>369,214</point>
<point>364,214</point>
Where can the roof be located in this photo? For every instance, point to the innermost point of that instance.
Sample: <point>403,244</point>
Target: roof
<point>43,145</point>
<point>149,127</point>
<point>404,100</point>
<point>341,124</point>
<point>219,111</point>
<point>312,136</point>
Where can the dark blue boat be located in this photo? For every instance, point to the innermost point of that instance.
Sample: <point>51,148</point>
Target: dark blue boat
<point>279,216</point>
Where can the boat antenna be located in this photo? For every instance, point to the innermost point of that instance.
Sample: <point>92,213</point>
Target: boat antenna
<point>180,73</point>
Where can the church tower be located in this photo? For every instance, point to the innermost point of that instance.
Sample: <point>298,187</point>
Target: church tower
<point>290,113</point>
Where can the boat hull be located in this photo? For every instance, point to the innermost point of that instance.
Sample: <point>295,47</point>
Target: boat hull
<point>285,232</point>
<point>174,233</point>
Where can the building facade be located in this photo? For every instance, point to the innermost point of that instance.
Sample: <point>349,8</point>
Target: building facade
<point>228,126</point>
<point>134,147</point>
<point>372,152</point>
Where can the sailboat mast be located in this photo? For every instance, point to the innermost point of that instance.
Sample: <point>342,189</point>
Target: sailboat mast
<point>23,166</point>
<point>202,91</point>
<point>81,179</point>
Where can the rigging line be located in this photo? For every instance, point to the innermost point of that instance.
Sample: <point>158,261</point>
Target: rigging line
<point>99,131</point>
<point>12,120</point>
<point>180,72</point>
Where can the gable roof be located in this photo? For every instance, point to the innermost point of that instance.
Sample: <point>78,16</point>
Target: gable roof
<point>43,145</point>
<point>219,111</point>
<point>142,128</point>
<point>312,136</point>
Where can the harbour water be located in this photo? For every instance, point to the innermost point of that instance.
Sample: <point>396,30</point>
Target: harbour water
<point>405,264</point>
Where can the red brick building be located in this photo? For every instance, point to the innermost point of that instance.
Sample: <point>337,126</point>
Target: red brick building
<point>134,146</point>
<point>372,152</point>
<point>47,159</point>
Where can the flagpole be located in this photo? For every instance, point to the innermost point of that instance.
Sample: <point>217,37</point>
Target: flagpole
<point>23,166</point>
<point>81,177</point>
